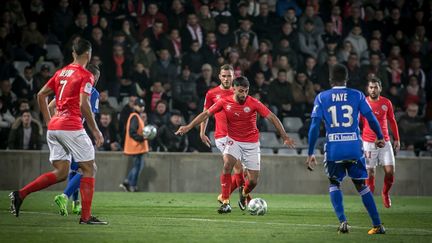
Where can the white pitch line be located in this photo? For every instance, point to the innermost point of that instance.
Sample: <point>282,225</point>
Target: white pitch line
<point>256,222</point>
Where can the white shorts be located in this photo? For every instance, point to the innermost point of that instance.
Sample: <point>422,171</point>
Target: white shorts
<point>378,156</point>
<point>220,144</point>
<point>248,153</point>
<point>64,145</point>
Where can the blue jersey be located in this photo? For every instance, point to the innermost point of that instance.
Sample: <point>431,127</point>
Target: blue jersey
<point>340,108</point>
<point>94,100</point>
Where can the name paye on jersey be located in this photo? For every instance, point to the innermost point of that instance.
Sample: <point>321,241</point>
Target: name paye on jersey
<point>342,137</point>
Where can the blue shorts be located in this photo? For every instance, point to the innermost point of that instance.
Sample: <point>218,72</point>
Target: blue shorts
<point>337,170</point>
<point>74,165</point>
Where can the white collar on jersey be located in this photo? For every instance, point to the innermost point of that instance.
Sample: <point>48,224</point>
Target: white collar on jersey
<point>338,87</point>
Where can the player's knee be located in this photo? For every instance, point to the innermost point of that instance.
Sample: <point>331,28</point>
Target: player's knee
<point>334,182</point>
<point>359,184</point>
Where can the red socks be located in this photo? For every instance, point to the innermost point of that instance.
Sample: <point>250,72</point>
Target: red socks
<point>236,181</point>
<point>43,181</point>
<point>225,180</point>
<point>248,187</point>
<point>86,188</point>
<point>370,181</point>
<point>388,182</point>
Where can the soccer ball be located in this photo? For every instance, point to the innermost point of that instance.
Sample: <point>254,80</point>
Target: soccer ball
<point>257,206</point>
<point>149,132</point>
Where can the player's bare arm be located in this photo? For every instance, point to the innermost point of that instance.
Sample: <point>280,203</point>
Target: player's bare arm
<point>311,162</point>
<point>42,98</point>
<point>88,115</point>
<point>199,119</point>
<point>51,107</point>
<point>203,136</point>
<point>279,127</point>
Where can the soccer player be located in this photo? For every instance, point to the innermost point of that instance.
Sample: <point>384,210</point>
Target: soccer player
<point>66,136</point>
<point>72,188</point>
<point>383,110</point>
<point>340,108</point>
<point>243,137</point>
<point>226,76</point>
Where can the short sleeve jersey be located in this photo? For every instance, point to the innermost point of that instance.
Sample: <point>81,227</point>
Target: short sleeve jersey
<point>383,111</point>
<point>68,83</point>
<point>241,118</point>
<point>211,98</point>
<point>340,108</point>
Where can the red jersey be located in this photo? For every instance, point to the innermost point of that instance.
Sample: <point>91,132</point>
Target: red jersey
<point>68,83</point>
<point>383,111</point>
<point>211,98</point>
<point>241,118</point>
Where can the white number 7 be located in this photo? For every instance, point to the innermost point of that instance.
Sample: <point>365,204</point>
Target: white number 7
<point>63,83</point>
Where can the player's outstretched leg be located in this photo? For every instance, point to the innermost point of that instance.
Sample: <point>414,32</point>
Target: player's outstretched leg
<point>250,184</point>
<point>336,198</point>
<point>225,180</point>
<point>369,203</point>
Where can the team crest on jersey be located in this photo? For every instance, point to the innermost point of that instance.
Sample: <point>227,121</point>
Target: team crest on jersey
<point>246,109</point>
<point>218,97</point>
<point>88,88</point>
<point>228,107</point>
<point>384,107</point>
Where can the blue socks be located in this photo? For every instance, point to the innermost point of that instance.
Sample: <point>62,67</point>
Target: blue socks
<point>369,203</point>
<point>73,185</point>
<point>336,198</point>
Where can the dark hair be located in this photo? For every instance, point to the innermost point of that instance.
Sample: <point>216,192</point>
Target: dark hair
<point>241,81</point>
<point>338,74</point>
<point>93,68</point>
<point>25,111</point>
<point>227,67</point>
<point>375,79</point>
<point>81,46</point>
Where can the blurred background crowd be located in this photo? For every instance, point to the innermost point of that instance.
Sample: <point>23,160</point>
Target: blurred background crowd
<point>168,53</point>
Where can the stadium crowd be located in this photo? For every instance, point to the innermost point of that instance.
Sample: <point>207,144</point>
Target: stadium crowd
<point>168,53</point>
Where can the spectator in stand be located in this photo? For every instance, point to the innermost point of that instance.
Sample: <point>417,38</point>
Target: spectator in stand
<point>330,48</point>
<point>177,15</point>
<point>93,14</point>
<point>173,43</point>
<point>283,5</point>
<point>261,86</point>
<point>142,81</point>
<point>99,44</point>
<point>241,14</point>
<point>40,78</point>
<point>33,41</point>
<point>151,17</point>
<point>23,85</point>
<point>303,95</point>
<point>395,73</point>
<point>261,65</point>
<point>283,63</point>
<point>266,23</point>
<point>354,20</point>
<point>205,18</point>
<point>155,34</point>
<point>62,19</point>
<point>145,55</point>
<point>374,47</point>
<point>420,35</point>
<point>412,129</point>
<point>163,69</point>
<point>395,53</point>
<point>281,95</point>
<point>310,15</point>
<point>211,49</point>
<point>118,67</point>
<point>354,73</point>
<point>246,51</point>
<point>413,93</point>
<point>157,93</point>
<point>245,28</point>
<point>375,67</point>
<point>192,32</point>
<point>311,69</point>
<point>357,40</point>
<point>106,108</point>
<point>160,115</point>
<point>415,68</point>
<point>80,27</point>
<point>284,49</point>
<point>109,132</point>
<point>194,58</point>
<point>233,60</point>
<point>26,133</point>
<point>6,121</point>
<point>395,23</point>
<point>221,13</point>
<point>166,138</point>
<point>205,81</point>
<point>344,52</point>
<point>6,94</point>
<point>129,32</point>
<point>225,38</point>
<point>310,41</point>
<point>184,92</point>
<point>395,98</point>
<point>323,74</point>
<point>105,27</point>
<point>330,32</point>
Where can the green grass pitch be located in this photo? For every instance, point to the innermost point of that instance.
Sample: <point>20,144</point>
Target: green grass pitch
<point>192,217</point>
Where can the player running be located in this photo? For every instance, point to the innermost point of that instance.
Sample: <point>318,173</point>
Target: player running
<point>383,110</point>
<point>242,142</point>
<point>66,136</point>
<point>340,108</point>
<point>226,76</point>
<point>74,178</point>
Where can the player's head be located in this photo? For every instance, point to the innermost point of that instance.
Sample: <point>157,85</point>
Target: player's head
<point>241,88</point>
<point>94,69</point>
<point>338,75</point>
<point>226,76</point>
<point>374,87</point>
<point>81,49</point>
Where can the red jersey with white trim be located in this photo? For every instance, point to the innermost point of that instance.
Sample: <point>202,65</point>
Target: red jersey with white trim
<point>212,96</point>
<point>241,118</point>
<point>383,111</point>
<point>68,83</point>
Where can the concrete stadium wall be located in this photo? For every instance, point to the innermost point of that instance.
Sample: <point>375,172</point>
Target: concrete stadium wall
<point>181,172</point>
